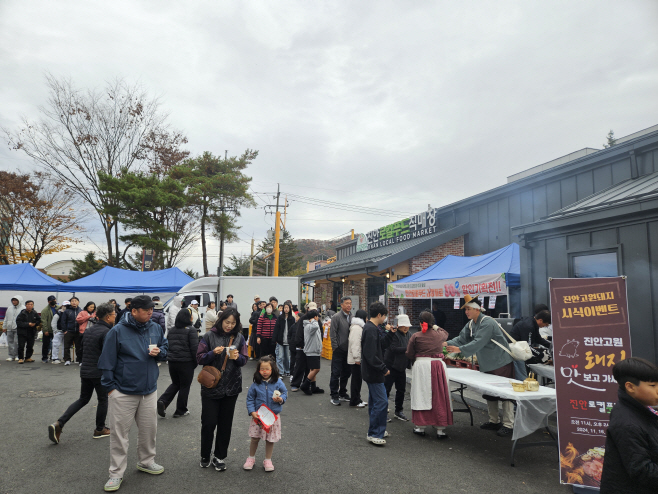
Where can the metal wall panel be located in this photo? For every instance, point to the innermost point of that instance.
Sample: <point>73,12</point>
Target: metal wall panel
<point>553,197</point>
<point>504,231</point>
<point>635,265</point>
<point>653,263</point>
<point>604,239</point>
<point>527,215</point>
<point>584,185</point>
<point>514,210</point>
<point>539,274</point>
<point>539,207</point>
<point>602,178</point>
<point>578,241</point>
<point>621,171</point>
<point>557,261</point>
<point>492,220</point>
<point>569,191</point>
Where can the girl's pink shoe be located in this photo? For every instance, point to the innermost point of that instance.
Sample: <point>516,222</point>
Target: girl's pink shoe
<point>268,465</point>
<point>249,464</point>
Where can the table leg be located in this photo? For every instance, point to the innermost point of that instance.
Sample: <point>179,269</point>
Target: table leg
<point>516,445</point>
<point>461,389</point>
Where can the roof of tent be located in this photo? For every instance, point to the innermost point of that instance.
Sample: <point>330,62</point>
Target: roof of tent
<point>25,277</point>
<point>505,260</point>
<point>117,280</point>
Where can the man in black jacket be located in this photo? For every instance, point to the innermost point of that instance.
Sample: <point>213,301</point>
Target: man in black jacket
<point>373,371</point>
<point>631,448</point>
<point>90,375</point>
<point>398,363</point>
<point>26,329</point>
<point>71,331</point>
<point>527,329</point>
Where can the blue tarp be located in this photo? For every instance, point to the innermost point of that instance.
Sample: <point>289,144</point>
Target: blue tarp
<point>25,277</point>
<point>505,260</point>
<point>117,280</point>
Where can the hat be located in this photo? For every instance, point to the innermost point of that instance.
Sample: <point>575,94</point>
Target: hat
<point>158,305</point>
<point>312,306</point>
<point>142,302</point>
<point>403,320</point>
<point>256,297</point>
<point>194,302</point>
<point>66,302</point>
<point>472,302</point>
<point>155,298</point>
<point>51,298</point>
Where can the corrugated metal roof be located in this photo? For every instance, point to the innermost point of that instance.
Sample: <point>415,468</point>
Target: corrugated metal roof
<point>627,191</point>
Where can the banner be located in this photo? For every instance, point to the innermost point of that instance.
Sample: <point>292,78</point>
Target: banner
<point>590,334</point>
<point>455,288</point>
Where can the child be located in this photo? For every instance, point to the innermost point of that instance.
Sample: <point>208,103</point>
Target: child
<point>631,447</point>
<point>397,362</point>
<point>262,391</point>
<point>312,350</point>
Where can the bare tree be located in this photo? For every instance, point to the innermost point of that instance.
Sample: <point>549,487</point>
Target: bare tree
<point>83,132</point>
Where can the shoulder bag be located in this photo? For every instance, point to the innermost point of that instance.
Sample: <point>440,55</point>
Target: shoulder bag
<point>210,375</point>
<point>519,350</point>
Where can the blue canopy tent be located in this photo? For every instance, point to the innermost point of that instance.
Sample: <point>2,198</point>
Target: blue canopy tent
<point>114,280</point>
<point>25,277</point>
<point>454,276</point>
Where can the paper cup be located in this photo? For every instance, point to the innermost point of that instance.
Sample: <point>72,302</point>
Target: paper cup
<point>151,347</point>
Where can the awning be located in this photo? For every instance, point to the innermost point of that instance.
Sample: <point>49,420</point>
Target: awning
<point>25,277</point>
<point>114,280</point>
<point>454,276</point>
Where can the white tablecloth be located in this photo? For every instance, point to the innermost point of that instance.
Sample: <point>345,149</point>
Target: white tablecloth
<point>543,370</point>
<point>532,407</point>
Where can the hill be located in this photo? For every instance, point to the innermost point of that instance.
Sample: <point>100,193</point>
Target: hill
<point>312,249</point>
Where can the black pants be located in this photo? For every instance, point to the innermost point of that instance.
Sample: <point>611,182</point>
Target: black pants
<point>293,357</point>
<point>400,380</point>
<point>69,339</point>
<point>87,387</point>
<point>340,373</point>
<point>216,414</point>
<point>45,348</point>
<point>301,370</point>
<point>267,347</point>
<point>181,374</point>
<point>23,341</point>
<point>355,385</point>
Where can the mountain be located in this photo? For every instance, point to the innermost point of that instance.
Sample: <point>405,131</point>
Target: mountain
<point>312,249</point>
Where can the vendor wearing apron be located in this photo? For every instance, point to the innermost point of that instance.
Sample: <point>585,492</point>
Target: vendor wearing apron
<point>475,339</point>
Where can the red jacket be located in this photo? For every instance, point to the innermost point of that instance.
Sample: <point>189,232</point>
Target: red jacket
<point>265,327</point>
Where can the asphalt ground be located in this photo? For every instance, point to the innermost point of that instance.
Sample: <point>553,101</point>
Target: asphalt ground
<point>323,447</point>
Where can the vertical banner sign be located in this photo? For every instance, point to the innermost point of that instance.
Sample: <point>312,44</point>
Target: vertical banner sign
<point>456,303</point>
<point>492,302</point>
<point>147,259</point>
<point>590,334</point>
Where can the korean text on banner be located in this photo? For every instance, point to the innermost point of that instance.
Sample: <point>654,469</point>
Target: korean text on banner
<point>590,334</point>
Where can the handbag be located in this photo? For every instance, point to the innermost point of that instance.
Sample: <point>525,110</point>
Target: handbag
<point>210,375</point>
<point>519,350</point>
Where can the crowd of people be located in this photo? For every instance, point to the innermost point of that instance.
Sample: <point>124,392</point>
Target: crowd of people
<point>120,351</point>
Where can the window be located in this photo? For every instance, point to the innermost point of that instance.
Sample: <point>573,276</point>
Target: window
<point>599,265</point>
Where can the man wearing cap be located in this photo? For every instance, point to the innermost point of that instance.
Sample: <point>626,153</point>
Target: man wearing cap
<point>58,333</point>
<point>475,339</point>
<point>196,318</point>
<point>256,300</point>
<point>158,313</point>
<point>129,365</point>
<point>47,314</point>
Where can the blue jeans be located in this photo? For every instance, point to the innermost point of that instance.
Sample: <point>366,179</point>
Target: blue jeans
<point>377,409</point>
<point>283,358</point>
<point>520,372</point>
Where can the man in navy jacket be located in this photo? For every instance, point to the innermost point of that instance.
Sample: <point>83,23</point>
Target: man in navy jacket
<point>129,363</point>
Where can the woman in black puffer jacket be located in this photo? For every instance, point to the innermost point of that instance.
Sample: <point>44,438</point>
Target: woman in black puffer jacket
<point>183,344</point>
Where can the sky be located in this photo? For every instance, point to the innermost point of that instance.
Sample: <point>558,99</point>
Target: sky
<point>388,105</point>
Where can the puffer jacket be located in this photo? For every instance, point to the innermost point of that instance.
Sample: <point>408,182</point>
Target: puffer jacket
<point>158,317</point>
<point>354,348</point>
<point>67,319</point>
<point>12,313</point>
<point>261,394</point>
<point>92,343</point>
<point>23,322</point>
<point>231,382</point>
<point>183,344</point>
<point>174,309</point>
<point>312,338</point>
<point>395,355</point>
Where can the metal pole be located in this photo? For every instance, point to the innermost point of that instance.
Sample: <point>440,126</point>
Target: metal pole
<point>251,259</point>
<point>267,267</point>
<point>508,312</point>
<point>277,235</point>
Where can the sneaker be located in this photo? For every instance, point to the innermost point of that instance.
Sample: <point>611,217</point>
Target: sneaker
<point>344,398</point>
<point>205,462</point>
<point>386,434</point>
<point>20,361</point>
<point>161,409</point>
<point>220,465</point>
<point>80,364</point>
<point>504,432</point>
<point>113,485</point>
<point>335,401</point>
<point>102,433</point>
<point>490,426</point>
<point>389,419</point>
<point>362,404</point>
<point>153,468</point>
<point>178,415</point>
<point>44,360</point>
<point>68,362</point>
<point>10,359</point>
<point>267,464</point>
<point>376,441</point>
<point>56,361</point>
<point>419,431</point>
<point>29,360</point>
<point>16,358</point>
<point>54,432</point>
<point>401,416</point>
<point>294,389</point>
<point>249,464</point>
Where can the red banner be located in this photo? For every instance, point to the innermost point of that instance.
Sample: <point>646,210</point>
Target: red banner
<point>590,334</point>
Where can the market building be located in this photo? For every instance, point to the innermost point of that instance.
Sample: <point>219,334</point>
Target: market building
<point>590,213</point>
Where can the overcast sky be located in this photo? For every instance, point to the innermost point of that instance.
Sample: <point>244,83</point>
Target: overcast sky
<point>393,105</point>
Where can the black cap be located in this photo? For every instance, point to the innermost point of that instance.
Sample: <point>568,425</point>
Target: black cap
<point>142,302</point>
<point>156,298</point>
<point>51,298</point>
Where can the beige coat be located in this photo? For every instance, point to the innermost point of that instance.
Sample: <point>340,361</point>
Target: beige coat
<point>354,341</point>
<point>211,318</point>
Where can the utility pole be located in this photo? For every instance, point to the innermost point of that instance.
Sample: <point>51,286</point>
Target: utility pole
<point>251,259</point>
<point>285,212</point>
<point>277,234</point>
